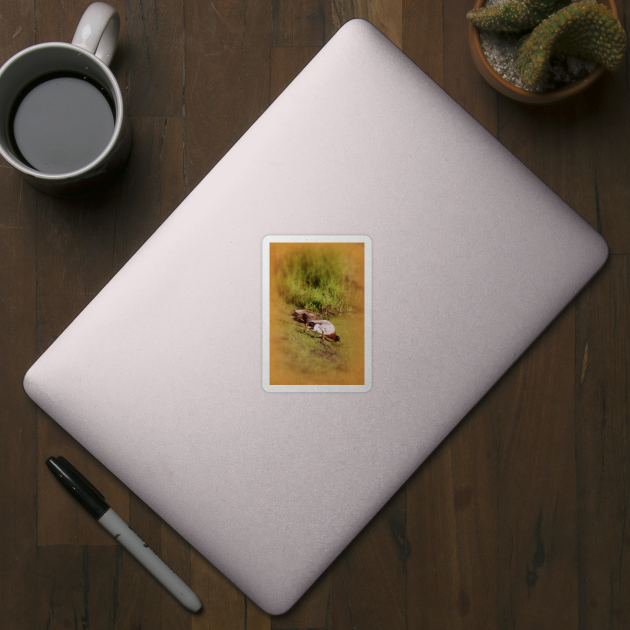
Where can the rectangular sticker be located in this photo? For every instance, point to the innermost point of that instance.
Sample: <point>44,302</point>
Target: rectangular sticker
<point>317,313</point>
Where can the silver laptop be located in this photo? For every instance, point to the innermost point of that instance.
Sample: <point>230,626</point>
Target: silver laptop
<point>265,441</point>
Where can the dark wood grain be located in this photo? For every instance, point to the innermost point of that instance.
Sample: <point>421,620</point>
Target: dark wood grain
<point>18,27</point>
<point>76,587</point>
<point>422,36</point>
<point>452,516</point>
<point>461,79</point>
<point>154,60</point>
<point>18,416</point>
<point>609,133</point>
<point>602,380</point>
<point>226,78</point>
<point>303,23</point>
<point>57,22</point>
<point>565,147</point>
<point>518,520</point>
<point>537,537</point>
<point>369,577</point>
<point>224,606</point>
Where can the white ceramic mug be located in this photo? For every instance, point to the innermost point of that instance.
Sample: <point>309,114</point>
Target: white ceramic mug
<point>87,58</point>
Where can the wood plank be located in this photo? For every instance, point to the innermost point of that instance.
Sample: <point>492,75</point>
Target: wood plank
<point>386,15</point>
<point>154,57</point>
<point>423,36</point>
<point>564,147</point>
<point>608,127</point>
<point>76,587</point>
<point>558,147</point>
<point>74,248</point>
<point>369,577</point>
<point>224,606</point>
<point>18,421</point>
<point>461,78</point>
<point>452,527</point>
<point>57,23</point>
<point>17,28</point>
<point>537,537</point>
<point>18,416</point>
<point>603,442</point>
<point>300,23</point>
<point>255,618</point>
<point>285,64</point>
<point>226,78</point>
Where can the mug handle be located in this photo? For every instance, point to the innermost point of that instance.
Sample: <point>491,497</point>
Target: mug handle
<point>98,30</point>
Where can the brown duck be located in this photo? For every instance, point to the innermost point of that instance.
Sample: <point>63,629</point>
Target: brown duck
<point>303,316</point>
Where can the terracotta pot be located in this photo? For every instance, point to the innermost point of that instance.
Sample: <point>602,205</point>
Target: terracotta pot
<point>518,94</point>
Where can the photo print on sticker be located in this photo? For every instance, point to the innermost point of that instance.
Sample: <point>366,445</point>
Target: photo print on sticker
<point>317,313</point>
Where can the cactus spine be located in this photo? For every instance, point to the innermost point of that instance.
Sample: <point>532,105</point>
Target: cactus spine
<point>513,16</point>
<point>583,29</point>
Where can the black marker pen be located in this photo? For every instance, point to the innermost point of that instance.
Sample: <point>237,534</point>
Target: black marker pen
<point>94,502</point>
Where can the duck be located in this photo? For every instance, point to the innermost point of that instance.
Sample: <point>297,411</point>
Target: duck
<point>303,316</point>
<point>325,328</point>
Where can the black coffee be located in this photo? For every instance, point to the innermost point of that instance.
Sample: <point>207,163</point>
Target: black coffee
<point>61,123</point>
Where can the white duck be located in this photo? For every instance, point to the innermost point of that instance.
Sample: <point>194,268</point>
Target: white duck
<point>325,328</point>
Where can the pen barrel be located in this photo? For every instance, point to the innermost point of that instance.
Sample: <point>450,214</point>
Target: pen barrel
<point>149,559</point>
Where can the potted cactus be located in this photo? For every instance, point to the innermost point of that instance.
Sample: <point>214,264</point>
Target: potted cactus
<point>558,49</point>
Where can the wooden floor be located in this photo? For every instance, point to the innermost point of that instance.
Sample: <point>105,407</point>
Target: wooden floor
<point>518,520</point>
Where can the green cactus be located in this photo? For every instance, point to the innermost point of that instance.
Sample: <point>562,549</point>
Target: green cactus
<point>584,29</point>
<point>513,16</point>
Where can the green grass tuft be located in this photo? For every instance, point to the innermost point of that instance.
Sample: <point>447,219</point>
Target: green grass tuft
<point>318,281</point>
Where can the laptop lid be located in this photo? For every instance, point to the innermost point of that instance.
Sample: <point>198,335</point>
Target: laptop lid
<point>455,257</point>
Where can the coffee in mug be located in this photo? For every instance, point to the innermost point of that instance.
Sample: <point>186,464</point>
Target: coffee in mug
<point>61,122</point>
<point>65,128</point>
